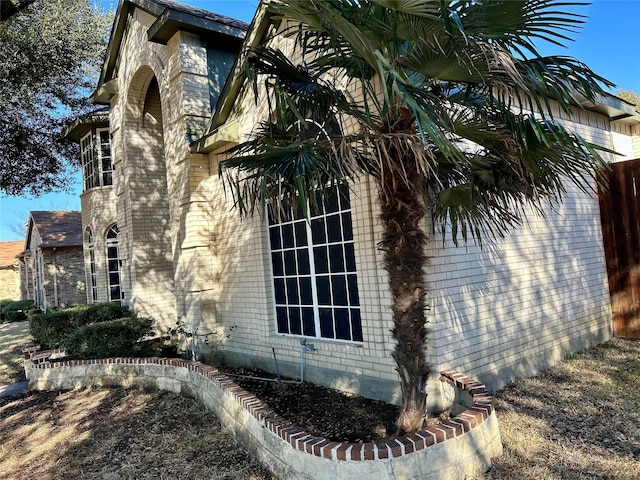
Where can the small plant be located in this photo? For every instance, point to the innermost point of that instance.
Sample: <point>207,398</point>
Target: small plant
<point>212,340</point>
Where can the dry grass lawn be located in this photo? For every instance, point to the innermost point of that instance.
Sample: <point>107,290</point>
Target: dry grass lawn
<point>12,336</point>
<point>578,420</point>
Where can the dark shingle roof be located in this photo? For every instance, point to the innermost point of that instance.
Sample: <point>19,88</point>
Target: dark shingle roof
<point>199,12</point>
<point>57,228</point>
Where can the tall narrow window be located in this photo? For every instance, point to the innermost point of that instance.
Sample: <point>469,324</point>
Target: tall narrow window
<point>314,271</point>
<point>113,264</point>
<point>104,154</point>
<point>87,155</point>
<point>93,277</point>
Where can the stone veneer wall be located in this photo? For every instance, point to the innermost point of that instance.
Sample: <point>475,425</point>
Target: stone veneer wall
<point>456,449</point>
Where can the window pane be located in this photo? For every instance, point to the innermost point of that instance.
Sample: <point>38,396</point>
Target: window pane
<point>112,252</point>
<point>345,201</point>
<point>334,233</point>
<point>331,201</point>
<point>274,238</point>
<point>295,325</point>
<point>107,178</point>
<point>339,289</point>
<point>343,327</point>
<point>113,265</point>
<point>356,325</point>
<point>114,293</point>
<point>114,278</point>
<point>301,234</point>
<point>335,258</point>
<point>306,294</point>
<point>283,323</point>
<point>354,298</point>
<point>347,231</point>
<point>308,323</point>
<point>317,231</point>
<point>324,291</point>
<point>276,263</point>
<point>321,260</point>
<point>287,236</point>
<point>326,323</point>
<point>293,298</point>
<point>303,262</point>
<point>315,208</point>
<point>350,257</point>
<point>279,291</point>
<point>290,262</point>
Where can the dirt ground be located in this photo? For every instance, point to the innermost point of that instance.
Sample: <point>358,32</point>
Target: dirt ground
<point>578,420</point>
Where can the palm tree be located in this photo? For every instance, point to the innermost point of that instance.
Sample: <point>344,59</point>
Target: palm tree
<point>435,101</point>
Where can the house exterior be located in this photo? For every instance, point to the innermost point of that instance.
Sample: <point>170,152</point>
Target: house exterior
<point>10,270</point>
<point>52,260</point>
<point>261,288</point>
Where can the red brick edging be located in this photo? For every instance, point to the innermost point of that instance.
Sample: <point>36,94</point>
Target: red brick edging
<point>476,414</point>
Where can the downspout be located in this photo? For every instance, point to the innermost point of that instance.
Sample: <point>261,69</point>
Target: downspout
<point>55,279</point>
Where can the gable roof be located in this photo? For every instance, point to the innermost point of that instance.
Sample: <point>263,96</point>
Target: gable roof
<point>171,17</point>
<point>9,251</point>
<point>56,228</point>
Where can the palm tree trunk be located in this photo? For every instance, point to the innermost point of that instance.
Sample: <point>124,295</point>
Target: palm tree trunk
<point>403,243</point>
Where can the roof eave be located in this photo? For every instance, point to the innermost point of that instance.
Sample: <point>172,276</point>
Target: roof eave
<point>171,21</point>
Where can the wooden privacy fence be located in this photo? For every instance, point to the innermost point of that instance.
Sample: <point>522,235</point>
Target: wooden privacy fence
<point>619,214</point>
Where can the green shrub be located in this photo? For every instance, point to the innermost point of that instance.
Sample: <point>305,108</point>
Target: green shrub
<point>116,338</point>
<point>15,311</point>
<point>51,329</point>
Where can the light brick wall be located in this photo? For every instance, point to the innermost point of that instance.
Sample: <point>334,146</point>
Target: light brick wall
<point>10,283</point>
<point>99,213</point>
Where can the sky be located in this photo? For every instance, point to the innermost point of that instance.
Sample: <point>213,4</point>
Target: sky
<point>607,43</point>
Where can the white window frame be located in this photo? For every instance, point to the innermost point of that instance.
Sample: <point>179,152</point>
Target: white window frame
<point>93,274</point>
<point>104,155</point>
<point>280,276</point>
<point>96,159</point>
<point>113,242</point>
<point>87,157</point>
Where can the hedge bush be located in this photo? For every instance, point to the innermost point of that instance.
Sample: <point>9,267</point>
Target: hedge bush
<point>51,329</point>
<point>16,311</point>
<point>116,338</point>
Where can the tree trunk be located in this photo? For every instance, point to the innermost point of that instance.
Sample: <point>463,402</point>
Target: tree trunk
<point>403,243</point>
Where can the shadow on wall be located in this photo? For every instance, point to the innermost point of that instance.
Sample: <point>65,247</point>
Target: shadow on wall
<point>220,268</point>
<point>147,226</point>
<point>518,306</point>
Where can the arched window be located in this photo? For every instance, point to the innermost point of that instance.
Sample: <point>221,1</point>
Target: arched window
<point>93,277</point>
<point>113,264</point>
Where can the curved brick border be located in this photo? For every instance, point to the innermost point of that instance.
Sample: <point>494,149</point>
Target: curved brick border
<point>462,446</point>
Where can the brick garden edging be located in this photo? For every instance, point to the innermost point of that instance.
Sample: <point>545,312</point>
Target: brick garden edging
<point>461,447</point>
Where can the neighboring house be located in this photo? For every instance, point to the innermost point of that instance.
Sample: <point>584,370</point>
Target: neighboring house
<point>53,259</point>
<point>185,254</point>
<point>10,270</point>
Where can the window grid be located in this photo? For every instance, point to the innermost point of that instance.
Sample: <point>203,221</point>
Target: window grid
<point>92,266</point>
<point>113,265</point>
<point>87,157</point>
<point>104,153</point>
<point>97,162</point>
<point>314,271</point>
